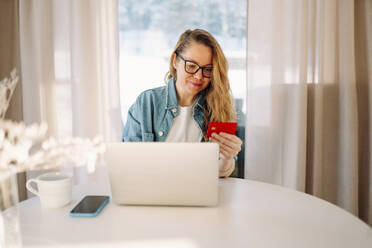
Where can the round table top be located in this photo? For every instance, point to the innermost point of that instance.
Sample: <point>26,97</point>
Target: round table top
<point>249,214</point>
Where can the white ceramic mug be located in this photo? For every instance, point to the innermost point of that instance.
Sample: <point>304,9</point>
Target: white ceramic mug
<point>54,189</point>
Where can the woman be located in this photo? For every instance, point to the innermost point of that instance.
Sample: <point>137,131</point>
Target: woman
<point>197,92</point>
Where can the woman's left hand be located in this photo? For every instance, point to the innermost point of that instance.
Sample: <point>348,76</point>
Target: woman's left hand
<point>230,145</point>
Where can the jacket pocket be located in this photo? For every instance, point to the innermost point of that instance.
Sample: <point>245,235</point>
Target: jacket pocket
<point>148,137</point>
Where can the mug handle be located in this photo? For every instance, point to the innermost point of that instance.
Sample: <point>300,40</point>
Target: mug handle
<point>30,188</point>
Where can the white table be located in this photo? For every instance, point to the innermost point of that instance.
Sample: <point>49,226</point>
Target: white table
<point>250,214</point>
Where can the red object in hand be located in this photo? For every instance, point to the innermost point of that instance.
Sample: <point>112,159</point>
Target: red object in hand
<point>217,127</point>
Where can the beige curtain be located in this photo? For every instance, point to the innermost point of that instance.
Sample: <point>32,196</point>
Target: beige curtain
<point>69,55</point>
<point>9,59</point>
<point>308,107</point>
<point>9,53</point>
<point>363,67</point>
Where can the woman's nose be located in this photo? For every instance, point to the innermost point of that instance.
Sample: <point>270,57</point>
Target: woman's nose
<point>198,74</point>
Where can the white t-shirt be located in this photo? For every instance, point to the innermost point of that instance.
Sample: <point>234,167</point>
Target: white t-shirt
<point>184,127</point>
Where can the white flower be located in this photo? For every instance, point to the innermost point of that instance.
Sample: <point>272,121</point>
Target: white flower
<point>17,141</point>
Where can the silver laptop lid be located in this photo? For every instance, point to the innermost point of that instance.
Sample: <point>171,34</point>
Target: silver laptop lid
<point>163,173</point>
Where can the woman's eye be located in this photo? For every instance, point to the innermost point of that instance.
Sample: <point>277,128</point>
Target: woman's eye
<point>208,70</point>
<point>191,67</point>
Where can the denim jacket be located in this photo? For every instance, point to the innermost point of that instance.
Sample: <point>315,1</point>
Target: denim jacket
<point>151,116</point>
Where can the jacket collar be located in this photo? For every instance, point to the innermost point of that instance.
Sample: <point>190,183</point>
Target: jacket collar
<point>171,101</point>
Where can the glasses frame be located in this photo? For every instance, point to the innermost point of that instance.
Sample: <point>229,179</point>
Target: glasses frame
<point>199,67</point>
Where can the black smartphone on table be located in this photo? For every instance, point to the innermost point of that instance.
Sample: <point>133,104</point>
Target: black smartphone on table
<point>90,206</point>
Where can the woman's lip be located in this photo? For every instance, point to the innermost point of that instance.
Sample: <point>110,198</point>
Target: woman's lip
<point>196,84</point>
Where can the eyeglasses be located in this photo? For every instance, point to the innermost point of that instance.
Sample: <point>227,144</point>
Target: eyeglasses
<point>192,68</point>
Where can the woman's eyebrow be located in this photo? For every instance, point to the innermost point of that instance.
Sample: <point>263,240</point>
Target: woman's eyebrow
<point>198,63</point>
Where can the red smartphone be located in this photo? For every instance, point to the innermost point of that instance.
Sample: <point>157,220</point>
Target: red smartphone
<point>217,127</point>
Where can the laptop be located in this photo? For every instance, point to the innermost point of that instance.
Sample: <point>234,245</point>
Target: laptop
<point>160,173</point>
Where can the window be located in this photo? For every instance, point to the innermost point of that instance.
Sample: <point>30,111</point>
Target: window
<point>149,30</point>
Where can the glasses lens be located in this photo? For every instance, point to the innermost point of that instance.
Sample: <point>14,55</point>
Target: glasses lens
<point>207,71</point>
<point>191,67</point>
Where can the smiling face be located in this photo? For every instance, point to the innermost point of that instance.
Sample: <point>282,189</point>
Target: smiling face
<point>189,85</point>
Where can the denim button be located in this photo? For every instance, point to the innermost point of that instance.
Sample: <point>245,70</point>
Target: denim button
<point>160,133</point>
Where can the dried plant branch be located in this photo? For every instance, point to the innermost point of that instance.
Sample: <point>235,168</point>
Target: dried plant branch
<point>7,87</point>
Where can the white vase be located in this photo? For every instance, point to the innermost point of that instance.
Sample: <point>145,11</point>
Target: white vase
<point>10,233</point>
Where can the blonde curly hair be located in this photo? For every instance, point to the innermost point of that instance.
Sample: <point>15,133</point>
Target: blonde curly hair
<point>218,96</point>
